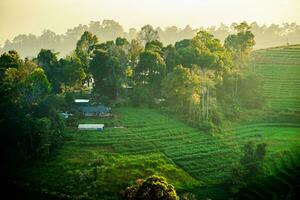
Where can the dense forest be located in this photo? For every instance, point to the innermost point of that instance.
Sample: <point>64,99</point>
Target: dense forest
<point>29,45</point>
<point>204,78</point>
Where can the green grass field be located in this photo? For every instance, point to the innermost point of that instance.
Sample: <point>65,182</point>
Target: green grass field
<point>280,68</point>
<point>152,143</point>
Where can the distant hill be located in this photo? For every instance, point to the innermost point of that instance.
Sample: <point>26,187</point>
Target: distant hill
<point>28,45</point>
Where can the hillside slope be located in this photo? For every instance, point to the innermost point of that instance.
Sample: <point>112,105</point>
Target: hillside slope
<point>152,143</point>
<point>280,67</point>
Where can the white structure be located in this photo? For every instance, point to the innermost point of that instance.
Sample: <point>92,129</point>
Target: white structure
<point>89,127</point>
<point>82,100</point>
<point>65,115</point>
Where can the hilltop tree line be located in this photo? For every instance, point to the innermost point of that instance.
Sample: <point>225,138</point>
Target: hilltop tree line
<point>28,45</point>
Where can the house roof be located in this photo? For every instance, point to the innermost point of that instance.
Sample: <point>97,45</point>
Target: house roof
<point>81,100</point>
<point>94,109</point>
<point>84,126</point>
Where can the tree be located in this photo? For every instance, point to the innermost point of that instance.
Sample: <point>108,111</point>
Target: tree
<point>242,42</point>
<point>100,71</point>
<point>148,34</point>
<point>47,59</point>
<point>72,71</point>
<point>154,46</point>
<point>249,167</point>
<point>110,30</point>
<point>181,87</point>
<point>27,130</point>
<point>134,51</point>
<point>188,54</point>
<point>150,71</point>
<point>210,57</point>
<point>171,57</point>
<point>104,68</point>
<point>35,87</point>
<point>240,45</point>
<point>124,72</point>
<point>153,188</point>
<point>9,60</point>
<point>84,48</point>
<point>253,157</point>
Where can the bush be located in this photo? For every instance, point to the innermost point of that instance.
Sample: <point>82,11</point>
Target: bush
<point>153,188</point>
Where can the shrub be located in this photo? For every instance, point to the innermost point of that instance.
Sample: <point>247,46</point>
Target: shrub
<point>153,188</point>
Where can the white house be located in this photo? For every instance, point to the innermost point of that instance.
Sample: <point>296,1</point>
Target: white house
<point>90,127</point>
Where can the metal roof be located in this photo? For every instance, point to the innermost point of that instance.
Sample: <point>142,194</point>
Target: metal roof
<point>94,109</point>
<point>82,100</point>
<point>90,126</point>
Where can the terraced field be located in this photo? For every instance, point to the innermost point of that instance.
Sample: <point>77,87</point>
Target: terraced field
<point>280,68</point>
<point>152,143</point>
<point>205,157</point>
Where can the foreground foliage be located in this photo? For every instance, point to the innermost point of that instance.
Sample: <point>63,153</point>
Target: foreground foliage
<point>153,188</point>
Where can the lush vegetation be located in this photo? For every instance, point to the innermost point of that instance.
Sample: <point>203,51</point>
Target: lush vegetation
<point>152,143</point>
<point>206,118</point>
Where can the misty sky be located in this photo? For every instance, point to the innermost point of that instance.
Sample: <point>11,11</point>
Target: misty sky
<point>33,16</point>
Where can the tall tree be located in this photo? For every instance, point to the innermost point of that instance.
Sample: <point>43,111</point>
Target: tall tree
<point>181,87</point>
<point>150,71</point>
<point>84,49</point>
<point>134,51</point>
<point>240,44</point>
<point>72,71</point>
<point>171,57</point>
<point>208,55</point>
<point>104,68</point>
<point>214,60</point>
<point>47,59</point>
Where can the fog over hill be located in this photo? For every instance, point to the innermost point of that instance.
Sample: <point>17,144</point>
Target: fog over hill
<point>28,45</point>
